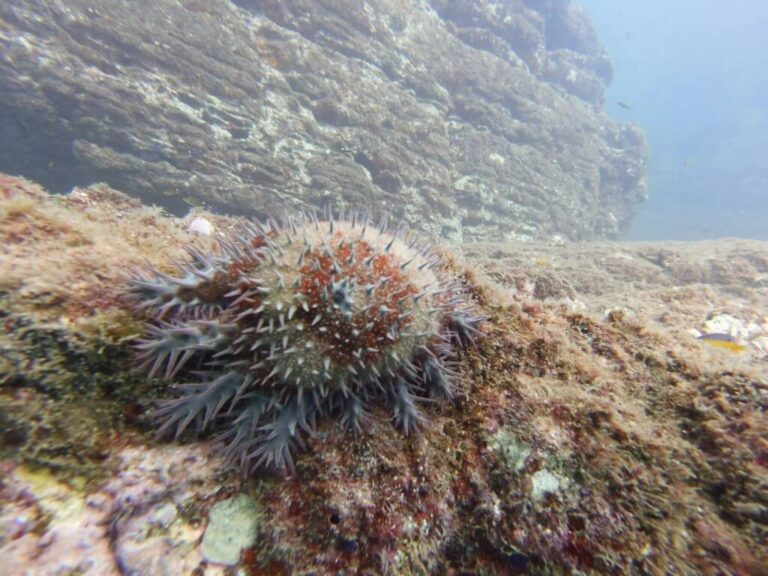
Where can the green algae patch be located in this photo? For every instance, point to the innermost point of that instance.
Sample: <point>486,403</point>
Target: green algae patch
<point>68,391</point>
<point>64,397</point>
<point>233,525</point>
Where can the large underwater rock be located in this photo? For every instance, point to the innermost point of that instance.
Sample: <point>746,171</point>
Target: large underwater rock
<point>471,120</point>
<point>592,433</point>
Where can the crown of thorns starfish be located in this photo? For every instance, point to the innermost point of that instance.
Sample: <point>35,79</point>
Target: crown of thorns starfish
<point>290,322</point>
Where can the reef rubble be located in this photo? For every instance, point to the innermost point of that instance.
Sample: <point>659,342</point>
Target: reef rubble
<point>592,433</point>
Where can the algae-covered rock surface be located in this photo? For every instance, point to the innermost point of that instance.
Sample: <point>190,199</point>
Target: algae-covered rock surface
<point>592,431</point>
<point>469,119</point>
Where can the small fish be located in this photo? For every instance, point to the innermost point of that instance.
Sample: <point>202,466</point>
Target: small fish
<point>625,105</point>
<point>724,341</point>
<point>346,150</point>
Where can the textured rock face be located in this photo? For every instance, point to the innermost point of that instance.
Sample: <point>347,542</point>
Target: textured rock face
<point>470,120</point>
<point>582,438</point>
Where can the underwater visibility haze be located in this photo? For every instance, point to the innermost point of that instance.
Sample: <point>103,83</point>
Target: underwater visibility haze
<point>335,287</point>
<point>692,74</point>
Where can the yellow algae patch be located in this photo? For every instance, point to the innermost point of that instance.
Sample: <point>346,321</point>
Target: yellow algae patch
<point>56,498</point>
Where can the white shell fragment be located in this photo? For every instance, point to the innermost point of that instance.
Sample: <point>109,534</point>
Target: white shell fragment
<point>201,226</point>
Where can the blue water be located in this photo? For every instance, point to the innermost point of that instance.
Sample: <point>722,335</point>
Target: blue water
<point>695,75</point>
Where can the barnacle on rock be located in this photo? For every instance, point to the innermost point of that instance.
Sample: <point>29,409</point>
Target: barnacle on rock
<point>294,321</point>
